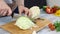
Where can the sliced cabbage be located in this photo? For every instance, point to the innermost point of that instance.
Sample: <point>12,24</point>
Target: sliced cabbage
<point>35,12</point>
<point>24,23</point>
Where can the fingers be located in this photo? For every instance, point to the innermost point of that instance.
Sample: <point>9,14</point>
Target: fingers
<point>5,9</point>
<point>9,12</point>
<point>20,11</point>
<point>3,12</point>
<point>27,12</point>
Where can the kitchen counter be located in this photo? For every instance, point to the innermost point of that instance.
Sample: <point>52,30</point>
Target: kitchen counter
<point>8,19</point>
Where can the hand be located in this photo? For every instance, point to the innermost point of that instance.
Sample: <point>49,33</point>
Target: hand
<point>4,9</point>
<point>25,10</point>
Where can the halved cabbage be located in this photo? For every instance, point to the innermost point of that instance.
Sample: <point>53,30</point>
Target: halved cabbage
<point>24,23</point>
<point>35,12</point>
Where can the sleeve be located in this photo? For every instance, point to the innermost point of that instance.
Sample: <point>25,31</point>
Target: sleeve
<point>8,1</point>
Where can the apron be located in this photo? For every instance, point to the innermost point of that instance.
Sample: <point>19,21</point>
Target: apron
<point>30,3</point>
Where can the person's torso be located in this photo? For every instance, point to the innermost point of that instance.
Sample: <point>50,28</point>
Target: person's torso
<point>30,3</point>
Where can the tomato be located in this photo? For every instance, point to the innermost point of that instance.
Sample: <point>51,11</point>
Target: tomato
<point>51,26</point>
<point>49,11</point>
<point>54,9</point>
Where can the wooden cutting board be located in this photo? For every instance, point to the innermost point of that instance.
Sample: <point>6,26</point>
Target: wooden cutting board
<point>13,29</point>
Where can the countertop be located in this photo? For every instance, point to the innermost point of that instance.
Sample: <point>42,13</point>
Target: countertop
<point>51,17</point>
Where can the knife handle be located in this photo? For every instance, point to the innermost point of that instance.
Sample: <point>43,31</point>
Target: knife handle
<point>12,14</point>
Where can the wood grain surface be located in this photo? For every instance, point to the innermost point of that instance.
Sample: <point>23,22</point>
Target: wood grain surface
<point>13,29</point>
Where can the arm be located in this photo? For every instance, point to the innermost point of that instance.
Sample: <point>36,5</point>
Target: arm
<point>20,2</point>
<point>4,8</point>
<point>1,1</point>
<point>22,8</point>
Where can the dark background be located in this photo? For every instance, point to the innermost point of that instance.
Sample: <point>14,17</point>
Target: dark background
<point>30,3</point>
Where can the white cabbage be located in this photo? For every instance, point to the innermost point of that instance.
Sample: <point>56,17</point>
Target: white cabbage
<point>35,12</point>
<point>24,23</point>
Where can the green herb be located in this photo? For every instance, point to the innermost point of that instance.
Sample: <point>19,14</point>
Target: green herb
<point>44,7</point>
<point>57,26</point>
<point>58,29</point>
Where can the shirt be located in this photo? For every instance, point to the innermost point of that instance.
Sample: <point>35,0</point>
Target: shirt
<point>8,1</point>
<point>30,3</point>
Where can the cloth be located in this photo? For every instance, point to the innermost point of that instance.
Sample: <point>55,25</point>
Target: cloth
<point>8,1</point>
<point>30,3</point>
